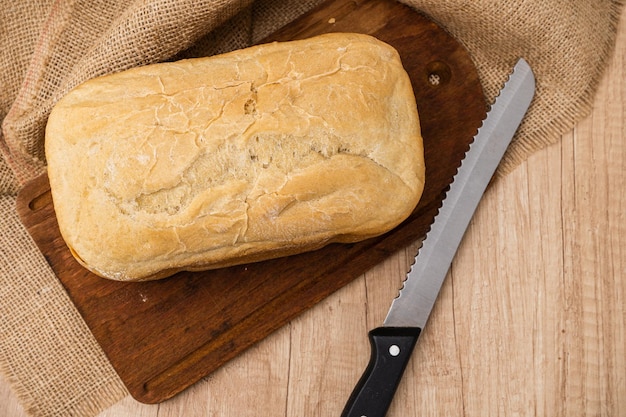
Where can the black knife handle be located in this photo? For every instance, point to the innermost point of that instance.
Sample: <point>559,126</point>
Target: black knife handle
<point>391,350</point>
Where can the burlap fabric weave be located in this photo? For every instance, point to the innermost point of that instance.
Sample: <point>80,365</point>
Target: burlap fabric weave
<point>47,47</point>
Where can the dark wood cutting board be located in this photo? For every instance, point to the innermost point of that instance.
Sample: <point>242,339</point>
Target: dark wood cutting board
<point>163,336</point>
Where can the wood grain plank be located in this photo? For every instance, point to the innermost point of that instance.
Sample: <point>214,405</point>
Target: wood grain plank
<point>547,269</point>
<point>320,366</point>
<point>594,255</point>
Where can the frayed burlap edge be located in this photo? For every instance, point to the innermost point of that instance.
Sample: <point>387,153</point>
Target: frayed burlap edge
<point>48,354</point>
<point>535,133</point>
<point>528,141</point>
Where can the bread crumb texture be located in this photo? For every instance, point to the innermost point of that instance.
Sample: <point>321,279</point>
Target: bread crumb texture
<point>204,163</point>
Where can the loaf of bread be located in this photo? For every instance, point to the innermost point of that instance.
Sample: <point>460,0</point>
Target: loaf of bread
<point>264,152</point>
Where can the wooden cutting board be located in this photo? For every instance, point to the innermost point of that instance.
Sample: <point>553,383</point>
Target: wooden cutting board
<point>163,336</point>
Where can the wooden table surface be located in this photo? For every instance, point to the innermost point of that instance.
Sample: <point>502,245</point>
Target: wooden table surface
<point>531,319</point>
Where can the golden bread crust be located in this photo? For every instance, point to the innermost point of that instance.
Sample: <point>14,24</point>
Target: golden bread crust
<point>203,163</point>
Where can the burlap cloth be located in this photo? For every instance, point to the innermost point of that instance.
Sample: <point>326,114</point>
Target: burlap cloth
<point>47,47</point>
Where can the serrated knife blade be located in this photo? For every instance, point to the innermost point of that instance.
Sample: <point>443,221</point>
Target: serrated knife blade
<point>393,343</point>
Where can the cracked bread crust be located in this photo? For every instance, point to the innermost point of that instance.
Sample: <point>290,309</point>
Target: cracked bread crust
<point>264,152</point>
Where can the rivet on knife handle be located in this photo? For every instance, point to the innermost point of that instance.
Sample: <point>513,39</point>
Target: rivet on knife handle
<point>409,312</point>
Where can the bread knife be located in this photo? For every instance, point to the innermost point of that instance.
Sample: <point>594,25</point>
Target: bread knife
<point>393,343</point>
